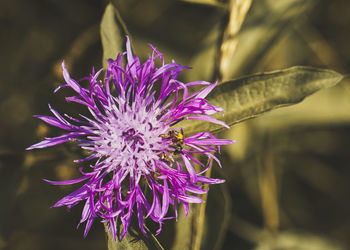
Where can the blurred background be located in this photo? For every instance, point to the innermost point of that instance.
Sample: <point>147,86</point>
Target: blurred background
<point>287,177</point>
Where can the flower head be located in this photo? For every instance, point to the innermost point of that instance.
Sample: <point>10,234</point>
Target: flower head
<point>132,143</point>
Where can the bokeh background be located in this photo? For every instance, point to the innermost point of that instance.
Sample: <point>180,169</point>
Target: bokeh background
<point>287,177</point>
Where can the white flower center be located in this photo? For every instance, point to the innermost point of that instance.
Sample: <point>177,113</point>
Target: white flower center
<point>130,140</point>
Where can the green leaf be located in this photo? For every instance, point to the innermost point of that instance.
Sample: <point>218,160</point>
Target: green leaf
<point>218,215</point>
<point>133,240</point>
<point>266,22</point>
<point>203,62</point>
<point>250,96</point>
<point>113,31</point>
<point>154,27</point>
<point>184,227</point>
<point>206,224</point>
<point>298,240</point>
<point>207,2</point>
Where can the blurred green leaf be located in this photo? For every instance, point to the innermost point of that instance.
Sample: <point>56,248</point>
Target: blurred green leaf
<point>184,228</point>
<point>265,24</point>
<point>207,2</point>
<point>177,38</point>
<point>213,222</point>
<point>133,240</point>
<point>203,62</point>
<point>113,31</point>
<point>218,214</point>
<point>250,96</point>
<point>297,241</point>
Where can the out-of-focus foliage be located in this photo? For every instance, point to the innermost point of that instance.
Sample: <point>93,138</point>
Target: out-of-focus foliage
<point>113,32</point>
<point>265,24</point>
<point>287,177</point>
<point>297,241</point>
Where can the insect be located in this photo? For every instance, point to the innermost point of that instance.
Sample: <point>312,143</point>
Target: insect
<point>178,148</point>
<point>179,135</point>
<point>174,135</point>
<point>165,157</point>
<point>177,140</point>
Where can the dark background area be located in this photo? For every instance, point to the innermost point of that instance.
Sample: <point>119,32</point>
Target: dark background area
<point>288,174</point>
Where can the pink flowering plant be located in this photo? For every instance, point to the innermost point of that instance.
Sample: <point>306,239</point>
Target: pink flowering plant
<point>131,141</point>
<point>151,138</point>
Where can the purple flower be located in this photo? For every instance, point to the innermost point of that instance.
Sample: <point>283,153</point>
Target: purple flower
<point>132,142</point>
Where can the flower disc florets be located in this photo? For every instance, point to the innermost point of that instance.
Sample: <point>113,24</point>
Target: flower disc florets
<point>129,138</point>
<point>132,142</point>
